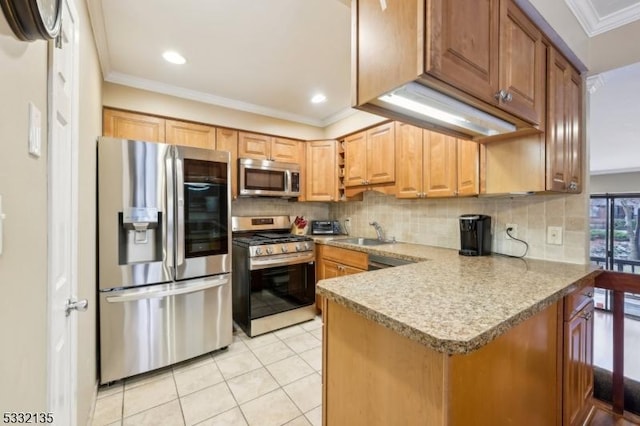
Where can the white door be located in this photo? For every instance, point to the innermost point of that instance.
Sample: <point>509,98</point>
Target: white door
<point>62,151</point>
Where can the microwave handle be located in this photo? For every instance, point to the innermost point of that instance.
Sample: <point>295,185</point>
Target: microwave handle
<point>179,212</point>
<point>287,179</point>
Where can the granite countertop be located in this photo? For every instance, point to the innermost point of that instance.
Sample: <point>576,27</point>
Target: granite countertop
<point>451,303</point>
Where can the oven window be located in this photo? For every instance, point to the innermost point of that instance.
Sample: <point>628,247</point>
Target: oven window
<point>281,289</point>
<point>264,180</point>
<point>205,208</point>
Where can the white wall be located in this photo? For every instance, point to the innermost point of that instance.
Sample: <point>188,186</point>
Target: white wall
<point>123,97</point>
<point>616,183</point>
<point>23,263</point>
<point>23,186</point>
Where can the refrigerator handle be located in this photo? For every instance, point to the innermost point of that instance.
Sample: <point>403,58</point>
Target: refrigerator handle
<point>170,207</point>
<point>179,211</point>
<point>186,289</point>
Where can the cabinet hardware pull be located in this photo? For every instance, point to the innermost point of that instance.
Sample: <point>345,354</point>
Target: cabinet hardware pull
<point>587,316</point>
<point>589,294</point>
<point>503,96</point>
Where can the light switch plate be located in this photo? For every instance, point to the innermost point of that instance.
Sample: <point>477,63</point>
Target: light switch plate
<point>35,130</point>
<point>554,235</point>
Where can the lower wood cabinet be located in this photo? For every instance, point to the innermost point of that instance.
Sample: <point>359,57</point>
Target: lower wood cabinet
<point>334,262</point>
<point>577,362</point>
<point>537,373</point>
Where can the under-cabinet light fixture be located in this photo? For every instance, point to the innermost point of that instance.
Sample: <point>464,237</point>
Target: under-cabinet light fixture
<point>418,100</point>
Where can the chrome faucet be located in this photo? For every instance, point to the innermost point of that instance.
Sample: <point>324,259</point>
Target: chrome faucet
<point>379,230</point>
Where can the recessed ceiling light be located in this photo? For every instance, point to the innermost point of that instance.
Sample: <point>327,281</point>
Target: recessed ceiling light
<point>318,98</point>
<point>174,57</point>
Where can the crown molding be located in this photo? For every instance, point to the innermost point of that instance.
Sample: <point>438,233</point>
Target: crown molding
<point>96,19</point>
<point>595,83</point>
<point>194,95</point>
<point>594,24</point>
<point>340,115</point>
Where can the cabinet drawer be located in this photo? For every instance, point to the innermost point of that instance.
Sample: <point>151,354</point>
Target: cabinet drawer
<point>577,300</point>
<point>347,257</point>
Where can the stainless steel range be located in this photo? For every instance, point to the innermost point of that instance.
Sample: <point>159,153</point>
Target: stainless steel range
<point>274,274</point>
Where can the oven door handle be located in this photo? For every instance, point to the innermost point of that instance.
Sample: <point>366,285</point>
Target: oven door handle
<point>170,290</point>
<point>262,263</point>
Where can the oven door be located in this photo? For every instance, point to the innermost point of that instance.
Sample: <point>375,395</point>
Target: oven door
<point>281,288</point>
<point>203,204</point>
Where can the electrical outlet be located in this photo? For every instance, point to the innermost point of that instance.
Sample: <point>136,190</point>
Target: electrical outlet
<point>554,235</point>
<point>513,232</point>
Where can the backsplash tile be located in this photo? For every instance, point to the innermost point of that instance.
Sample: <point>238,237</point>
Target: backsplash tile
<point>277,206</point>
<point>435,222</point>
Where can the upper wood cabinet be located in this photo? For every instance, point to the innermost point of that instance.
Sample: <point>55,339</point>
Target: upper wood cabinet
<point>468,168</point>
<point>321,176</point>
<point>263,147</point>
<point>190,134</point>
<point>489,49</point>
<point>227,140</point>
<point>370,156</point>
<point>130,125</point>
<point>434,165</point>
<point>484,48</point>
<point>564,123</point>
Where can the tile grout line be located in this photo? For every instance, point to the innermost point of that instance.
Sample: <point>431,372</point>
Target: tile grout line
<point>175,384</point>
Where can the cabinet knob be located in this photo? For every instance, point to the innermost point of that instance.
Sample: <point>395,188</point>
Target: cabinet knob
<point>589,294</point>
<point>587,316</point>
<point>503,96</point>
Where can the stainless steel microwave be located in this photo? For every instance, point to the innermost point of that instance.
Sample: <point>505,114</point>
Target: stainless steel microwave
<point>264,178</point>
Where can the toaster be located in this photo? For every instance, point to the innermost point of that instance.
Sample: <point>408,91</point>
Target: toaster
<point>325,227</point>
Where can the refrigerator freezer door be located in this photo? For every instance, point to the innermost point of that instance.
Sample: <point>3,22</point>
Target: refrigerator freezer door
<point>134,231</point>
<point>147,328</point>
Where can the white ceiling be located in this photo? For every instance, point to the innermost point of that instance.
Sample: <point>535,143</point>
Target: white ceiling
<point>268,57</point>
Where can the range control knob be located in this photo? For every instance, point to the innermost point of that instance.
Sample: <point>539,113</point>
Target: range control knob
<point>258,251</point>
<point>306,246</point>
<point>284,248</point>
<point>269,250</point>
<point>298,247</point>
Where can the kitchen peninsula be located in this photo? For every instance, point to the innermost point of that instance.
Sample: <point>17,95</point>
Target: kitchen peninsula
<point>453,340</point>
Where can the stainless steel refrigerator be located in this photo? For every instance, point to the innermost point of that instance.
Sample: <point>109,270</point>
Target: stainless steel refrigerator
<point>164,255</point>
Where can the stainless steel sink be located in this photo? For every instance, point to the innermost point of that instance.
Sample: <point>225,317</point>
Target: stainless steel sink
<point>363,241</point>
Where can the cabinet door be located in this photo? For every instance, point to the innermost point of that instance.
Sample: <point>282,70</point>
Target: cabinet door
<point>578,366</point>
<point>227,140</point>
<point>557,148</point>
<point>522,64</point>
<point>349,270</point>
<point>408,161</point>
<point>286,150</point>
<point>321,171</point>
<point>468,173</point>
<point>190,134</point>
<point>381,152</point>
<point>330,269</point>
<point>355,159</point>
<point>439,164</point>
<point>253,145</point>
<point>574,132</point>
<point>463,45</point>
<point>129,125</point>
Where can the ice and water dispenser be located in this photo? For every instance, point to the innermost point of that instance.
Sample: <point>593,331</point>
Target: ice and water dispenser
<point>139,235</point>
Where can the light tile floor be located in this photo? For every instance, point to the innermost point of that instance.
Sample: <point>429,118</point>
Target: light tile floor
<point>273,379</point>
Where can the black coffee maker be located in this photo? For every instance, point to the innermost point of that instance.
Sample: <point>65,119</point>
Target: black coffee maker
<point>475,235</point>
